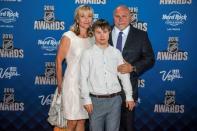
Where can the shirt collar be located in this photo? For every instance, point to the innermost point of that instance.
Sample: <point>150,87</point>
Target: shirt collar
<point>125,31</point>
<point>97,48</point>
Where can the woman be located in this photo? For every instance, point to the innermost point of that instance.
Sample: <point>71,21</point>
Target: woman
<point>72,44</point>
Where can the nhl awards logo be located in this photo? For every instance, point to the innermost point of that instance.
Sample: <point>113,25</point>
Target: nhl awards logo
<point>141,83</point>
<point>134,19</point>
<point>49,77</point>
<point>8,50</point>
<point>49,22</point>
<point>90,2</point>
<point>172,52</point>
<point>169,105</point>
<point>9,103</point>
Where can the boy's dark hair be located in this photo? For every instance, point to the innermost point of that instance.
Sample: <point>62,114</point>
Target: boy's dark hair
<point>101,23</point>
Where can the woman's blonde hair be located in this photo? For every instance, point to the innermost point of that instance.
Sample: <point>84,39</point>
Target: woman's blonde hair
<point>75,26</point>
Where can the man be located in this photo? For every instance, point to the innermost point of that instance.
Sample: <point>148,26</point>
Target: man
<point>137,53</point>
<point>100,88</point>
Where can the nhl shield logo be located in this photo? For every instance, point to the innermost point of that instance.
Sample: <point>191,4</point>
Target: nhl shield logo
<point>50,72</point>
<point>172,46</point>
<point>134,18</point>
<point>49,16</point>
<point>8,44</point>
<point>169,100</point>
<point>8,98</point>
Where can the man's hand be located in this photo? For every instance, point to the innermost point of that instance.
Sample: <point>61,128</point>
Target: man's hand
<point>125,68</point>
<point>130,105</point>
<point>89,108</point>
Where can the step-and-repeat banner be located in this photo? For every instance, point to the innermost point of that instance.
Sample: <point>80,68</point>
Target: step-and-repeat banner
<point>30,31</point>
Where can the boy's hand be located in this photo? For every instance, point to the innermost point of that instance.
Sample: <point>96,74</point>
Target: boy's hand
<point>89,108</point>
<point>130,105</point>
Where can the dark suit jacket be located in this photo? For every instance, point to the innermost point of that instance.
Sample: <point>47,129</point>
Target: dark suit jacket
<point>139,53</point>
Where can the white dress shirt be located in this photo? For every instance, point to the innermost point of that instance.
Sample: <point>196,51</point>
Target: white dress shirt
<point>99,75</point>
<point>115,33</point>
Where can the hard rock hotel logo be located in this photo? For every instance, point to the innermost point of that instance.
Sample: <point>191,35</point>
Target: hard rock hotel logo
<point>49,77</point>
<point>174,19</point>
<point>49,44</point>
<point>9,103</point>
<point>8,16</point>
<point>173,52</point>
<point>135,21</point>
<point>175,2</point>
<point>49,22</point>
<point>8,50</point>
<point>169,105</point>
<point>90,2</point>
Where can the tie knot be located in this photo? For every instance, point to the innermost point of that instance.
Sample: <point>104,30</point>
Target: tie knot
<point>120,33</point>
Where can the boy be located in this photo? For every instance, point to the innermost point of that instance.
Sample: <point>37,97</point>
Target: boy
<point>100,87</point>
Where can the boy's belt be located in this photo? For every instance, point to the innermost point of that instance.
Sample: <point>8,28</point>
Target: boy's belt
<point>106,96</point>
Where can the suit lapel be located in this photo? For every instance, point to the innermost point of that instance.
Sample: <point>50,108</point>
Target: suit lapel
<point>128,40</point>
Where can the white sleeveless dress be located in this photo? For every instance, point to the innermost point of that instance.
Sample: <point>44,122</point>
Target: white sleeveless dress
<point>72,103</point>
